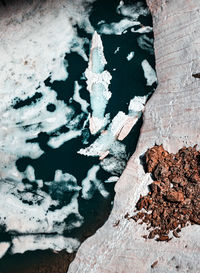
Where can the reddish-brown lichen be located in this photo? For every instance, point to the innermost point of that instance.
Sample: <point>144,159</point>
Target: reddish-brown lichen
<point>174,198</point>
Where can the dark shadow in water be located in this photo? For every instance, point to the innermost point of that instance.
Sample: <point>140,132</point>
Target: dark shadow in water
<point>37,262</point>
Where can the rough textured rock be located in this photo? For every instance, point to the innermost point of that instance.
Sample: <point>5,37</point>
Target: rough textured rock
<point>171,118</point>
<point>173,200</point>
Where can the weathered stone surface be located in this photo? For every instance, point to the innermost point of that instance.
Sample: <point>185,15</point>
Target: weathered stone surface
<point>171,118</point>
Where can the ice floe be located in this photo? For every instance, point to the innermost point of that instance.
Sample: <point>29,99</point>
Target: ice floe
<point>56,142</point>
<point>118,129</point>
<point>91,183</point>
<point>130,56</point>
<point>149,73</point>
<point>98,81</point>
<point>112,179</point>
<point>33,242</point>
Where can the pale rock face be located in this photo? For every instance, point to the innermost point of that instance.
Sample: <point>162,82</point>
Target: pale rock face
<point>170,118</point>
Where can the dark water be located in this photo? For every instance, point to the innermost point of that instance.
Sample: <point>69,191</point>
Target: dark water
<point>127,81</point>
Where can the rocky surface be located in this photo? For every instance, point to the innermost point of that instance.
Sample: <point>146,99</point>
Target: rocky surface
<point>171,118</point>
<point>173,200</point>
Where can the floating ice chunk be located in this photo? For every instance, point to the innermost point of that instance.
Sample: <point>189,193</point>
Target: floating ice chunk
<point>84,104</point>
<point>119,128</point>
<point>34,242</point>
<point>100,145</point>
<point>117,28</point>
<point>145,43</point>
<point>57,141</point>
<point>113,165</point>
<point>137,104</point>
<point>128,125</point>
<point>149,73</point>
<point>90,184</point>
<point>97,58</point>
<point>112,179</point>
<point>4,246</point>
<point>130,56</point>
<point>98,80</point>
<point>95,124</point>
<point>143,29</point>
<point>101,22</point>
<point>70,181</point>
<point>116,50</point>
<point>107,139</point>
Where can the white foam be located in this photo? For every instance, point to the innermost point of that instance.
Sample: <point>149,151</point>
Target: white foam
<point>33,242</point>
<point>143,29</point>
<point>113,165</point>
<point>35,218</point>
<point>132,11</point>
<point>56,142</point>
<point>145,43</point>
<point>149,73</point>
<point>117,28</point>
<point>90,184</point>
<point>27,60</point>
<point>84,104</point>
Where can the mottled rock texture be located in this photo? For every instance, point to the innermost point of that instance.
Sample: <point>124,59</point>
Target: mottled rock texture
<point>171,118</point>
